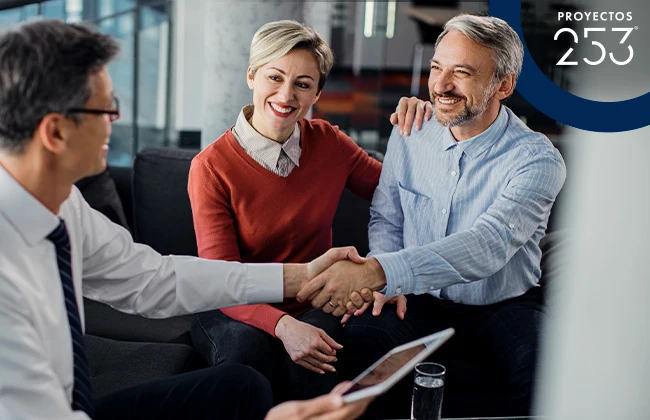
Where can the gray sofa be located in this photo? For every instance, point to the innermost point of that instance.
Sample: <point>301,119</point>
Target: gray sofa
<point>151,200</point>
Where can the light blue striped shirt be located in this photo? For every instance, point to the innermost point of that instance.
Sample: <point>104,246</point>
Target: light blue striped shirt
<point>463,220</point>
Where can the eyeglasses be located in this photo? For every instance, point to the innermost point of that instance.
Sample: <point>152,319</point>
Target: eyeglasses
<point>113,114</point>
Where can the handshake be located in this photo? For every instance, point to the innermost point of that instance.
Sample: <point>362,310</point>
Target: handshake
<point>339,281</point>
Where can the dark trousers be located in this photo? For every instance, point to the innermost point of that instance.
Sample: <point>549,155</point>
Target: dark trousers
<point>226,392</point>
<point>502,337</point>
<point>222,340</point>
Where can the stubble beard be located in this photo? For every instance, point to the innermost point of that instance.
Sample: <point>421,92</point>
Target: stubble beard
<point>465,115</point>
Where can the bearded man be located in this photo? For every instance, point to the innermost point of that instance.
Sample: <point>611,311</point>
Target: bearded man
<point>457,219</point>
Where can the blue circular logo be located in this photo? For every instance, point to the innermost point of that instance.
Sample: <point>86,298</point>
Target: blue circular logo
<point>561,105</point>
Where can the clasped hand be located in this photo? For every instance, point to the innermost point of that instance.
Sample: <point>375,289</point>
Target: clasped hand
<point>345,285</point>
<point>379,301</point>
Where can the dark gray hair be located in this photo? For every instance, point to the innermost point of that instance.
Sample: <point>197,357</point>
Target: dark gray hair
<point>494,33</point>
<point>45,66</point>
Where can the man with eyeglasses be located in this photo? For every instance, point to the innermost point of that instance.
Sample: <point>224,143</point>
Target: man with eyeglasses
<point>113,112</point>
<point>56,109</point>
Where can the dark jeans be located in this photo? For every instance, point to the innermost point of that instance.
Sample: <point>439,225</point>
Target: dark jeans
<point>503,337</point>
<point>222,340</point>
<point>225,392</point>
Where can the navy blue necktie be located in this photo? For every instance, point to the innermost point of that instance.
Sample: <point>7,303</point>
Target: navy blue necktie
<point>81,392</point>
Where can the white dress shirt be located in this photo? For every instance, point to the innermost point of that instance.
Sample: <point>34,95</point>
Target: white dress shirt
<point>36,369</point>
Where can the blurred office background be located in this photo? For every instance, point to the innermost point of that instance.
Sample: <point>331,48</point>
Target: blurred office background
<point>141,75</point>
<point>181,75</point>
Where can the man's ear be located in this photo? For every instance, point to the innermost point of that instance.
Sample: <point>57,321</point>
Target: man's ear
<point>505,87</point>
<point>50,132</point>
<point>250,75</point>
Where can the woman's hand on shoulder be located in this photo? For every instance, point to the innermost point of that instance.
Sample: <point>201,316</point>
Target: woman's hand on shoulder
<point>411,112</point>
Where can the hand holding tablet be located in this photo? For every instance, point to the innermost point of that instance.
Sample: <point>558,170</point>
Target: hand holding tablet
<point>388,370</point>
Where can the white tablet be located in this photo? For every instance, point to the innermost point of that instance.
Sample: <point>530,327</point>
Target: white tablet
<point>388,370</point>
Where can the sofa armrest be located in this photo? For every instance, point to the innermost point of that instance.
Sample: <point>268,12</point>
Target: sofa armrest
<point>104,321</point>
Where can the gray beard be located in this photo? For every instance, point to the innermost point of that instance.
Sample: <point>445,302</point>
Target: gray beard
<point>466,115</point>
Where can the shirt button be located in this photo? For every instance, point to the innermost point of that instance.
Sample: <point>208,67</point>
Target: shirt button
<point>511,225</point>
<point>453,173</point>
<point>444,211</point>
<point>398,290</point>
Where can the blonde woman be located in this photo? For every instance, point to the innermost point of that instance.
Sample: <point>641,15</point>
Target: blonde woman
<point>267,191</point>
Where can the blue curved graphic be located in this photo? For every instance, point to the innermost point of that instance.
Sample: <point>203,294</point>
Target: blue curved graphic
<point>561,105</point>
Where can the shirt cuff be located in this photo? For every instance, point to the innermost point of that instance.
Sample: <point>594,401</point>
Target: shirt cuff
<point>265,283</point>
<point>399,275</point>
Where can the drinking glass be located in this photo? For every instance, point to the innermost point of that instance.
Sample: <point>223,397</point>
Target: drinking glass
<point>428,387</point>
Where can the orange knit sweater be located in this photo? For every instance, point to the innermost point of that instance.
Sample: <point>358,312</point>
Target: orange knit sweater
<point>243,212</point>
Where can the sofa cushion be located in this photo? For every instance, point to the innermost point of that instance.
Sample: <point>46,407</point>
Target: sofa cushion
<point>123,178</point>
<point>100,192</point>
<point>115,365</point>
<point>162,213</point>
<point>350,224</point>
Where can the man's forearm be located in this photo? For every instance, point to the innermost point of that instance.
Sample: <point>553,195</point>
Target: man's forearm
<point>294,277</point>
<point>376,278</point>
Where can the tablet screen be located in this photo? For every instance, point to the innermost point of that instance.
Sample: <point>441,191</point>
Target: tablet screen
<point>384,368</point>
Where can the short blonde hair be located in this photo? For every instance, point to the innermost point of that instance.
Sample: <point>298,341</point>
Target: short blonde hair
<point>277,39</point>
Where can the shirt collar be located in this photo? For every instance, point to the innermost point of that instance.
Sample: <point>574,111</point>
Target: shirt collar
<point>292,146</point>
<point>30,218</point>
<point>448,141</point>
<point>478,144</point>
<point>261,146</point>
